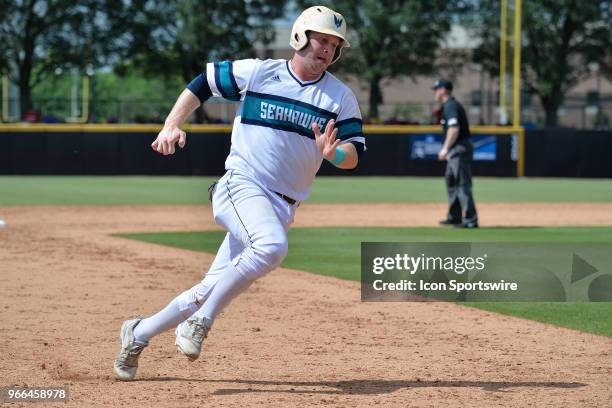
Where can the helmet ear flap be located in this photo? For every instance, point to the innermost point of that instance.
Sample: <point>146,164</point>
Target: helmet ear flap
<point>298,39</point>
<point>304,41</point>
<point>337,54</point>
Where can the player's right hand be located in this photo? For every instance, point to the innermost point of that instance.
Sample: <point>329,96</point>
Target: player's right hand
<point>167,139</point>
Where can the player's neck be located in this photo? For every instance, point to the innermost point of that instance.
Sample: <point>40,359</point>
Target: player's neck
<point>300,70</point>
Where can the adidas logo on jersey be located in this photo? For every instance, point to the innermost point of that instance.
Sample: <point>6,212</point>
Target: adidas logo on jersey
<point>275,78</point>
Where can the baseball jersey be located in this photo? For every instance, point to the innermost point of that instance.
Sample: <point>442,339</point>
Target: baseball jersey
<point>272,138</point>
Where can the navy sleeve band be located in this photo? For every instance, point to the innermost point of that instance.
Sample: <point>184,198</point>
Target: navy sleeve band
<point>200,88</point>
<point>359,147</point>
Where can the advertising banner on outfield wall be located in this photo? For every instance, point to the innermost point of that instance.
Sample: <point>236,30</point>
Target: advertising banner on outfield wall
<point>486,272</point>
<point>426,147</point>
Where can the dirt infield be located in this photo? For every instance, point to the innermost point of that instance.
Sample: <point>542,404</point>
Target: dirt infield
<point>294,339</point>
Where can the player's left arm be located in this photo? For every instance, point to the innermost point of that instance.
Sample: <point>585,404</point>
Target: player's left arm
<point>351,157</point>
<point>348,135</point>
<point>343,156</point>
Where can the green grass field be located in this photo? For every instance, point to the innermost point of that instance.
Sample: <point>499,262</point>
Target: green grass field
<point>84,190</point>
<point>337,249</point>
<point>338,254</point>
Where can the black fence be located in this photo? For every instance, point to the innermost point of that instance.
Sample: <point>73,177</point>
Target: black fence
<point>568,153</point>
<point>550,153</point>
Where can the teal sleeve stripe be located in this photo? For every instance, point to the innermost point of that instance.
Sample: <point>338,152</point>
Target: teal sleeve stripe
<point>224,78</point>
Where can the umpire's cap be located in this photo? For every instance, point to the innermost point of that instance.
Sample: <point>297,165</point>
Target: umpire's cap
<point>442,83</point>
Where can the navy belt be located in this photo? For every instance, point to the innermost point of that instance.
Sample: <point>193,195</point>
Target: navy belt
<point>288,199</point>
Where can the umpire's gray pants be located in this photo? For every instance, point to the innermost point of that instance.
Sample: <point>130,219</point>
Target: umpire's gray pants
<point>461,207</point>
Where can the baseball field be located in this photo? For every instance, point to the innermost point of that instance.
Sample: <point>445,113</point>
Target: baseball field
<point>81,254</point>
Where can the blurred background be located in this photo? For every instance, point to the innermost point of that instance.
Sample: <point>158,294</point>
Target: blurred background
<point>125,61</point>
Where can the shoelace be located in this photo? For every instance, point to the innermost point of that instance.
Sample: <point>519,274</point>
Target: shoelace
<point>198,331</point>
<point>130,355</point>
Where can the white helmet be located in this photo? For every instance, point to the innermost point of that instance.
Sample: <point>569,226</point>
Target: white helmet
<point>322,20</point>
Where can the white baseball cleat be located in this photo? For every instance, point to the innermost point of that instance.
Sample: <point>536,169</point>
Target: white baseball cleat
<point>190,334</point>
<point>126,363</point>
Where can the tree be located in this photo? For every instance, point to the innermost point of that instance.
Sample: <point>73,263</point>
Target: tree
<point>392,38</point>
<point>562,40</point>
<point>179,37</point>
<point>38,37</point>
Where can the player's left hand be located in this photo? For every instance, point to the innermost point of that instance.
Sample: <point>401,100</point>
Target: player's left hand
<point>443,154</point>
<point>326,142</point>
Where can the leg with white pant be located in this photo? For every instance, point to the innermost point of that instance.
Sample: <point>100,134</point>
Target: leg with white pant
<point>255,244</point>
<point>257,221</point>
<point>249,214</point>
<point>254,218</point>
<point>188,302</point>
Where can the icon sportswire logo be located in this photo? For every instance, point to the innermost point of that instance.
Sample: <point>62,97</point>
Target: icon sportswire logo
<point>337,21</point>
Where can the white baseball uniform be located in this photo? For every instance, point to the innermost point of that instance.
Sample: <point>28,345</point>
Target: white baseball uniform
<point>273,152</point>
<point>272,140</point>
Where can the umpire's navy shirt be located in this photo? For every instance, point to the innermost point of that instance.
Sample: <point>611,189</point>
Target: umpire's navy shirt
<point>453,115</point>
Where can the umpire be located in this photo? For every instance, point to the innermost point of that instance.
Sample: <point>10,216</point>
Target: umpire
<point>457,151</point>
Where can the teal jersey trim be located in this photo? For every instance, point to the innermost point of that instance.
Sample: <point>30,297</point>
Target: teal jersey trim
<point>349,128</point>
<point>225,81</point>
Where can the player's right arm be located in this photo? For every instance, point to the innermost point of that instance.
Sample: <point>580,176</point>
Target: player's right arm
<point>224,79</point>
<point>171,133</point>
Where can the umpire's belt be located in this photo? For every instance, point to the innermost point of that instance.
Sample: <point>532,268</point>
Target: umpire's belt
<point>288,199</point>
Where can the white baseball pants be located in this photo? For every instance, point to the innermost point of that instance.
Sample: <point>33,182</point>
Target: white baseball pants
<point>257,221</point>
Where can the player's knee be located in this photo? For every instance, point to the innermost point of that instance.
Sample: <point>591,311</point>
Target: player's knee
<point>271,252</point>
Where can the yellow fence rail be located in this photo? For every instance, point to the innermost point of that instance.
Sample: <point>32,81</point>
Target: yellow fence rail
<point>368,129</point>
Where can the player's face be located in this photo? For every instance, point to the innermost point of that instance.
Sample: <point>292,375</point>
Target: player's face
<point>320,51</point>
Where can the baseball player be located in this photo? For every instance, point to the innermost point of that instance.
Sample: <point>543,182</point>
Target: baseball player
<point>292,115</point>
